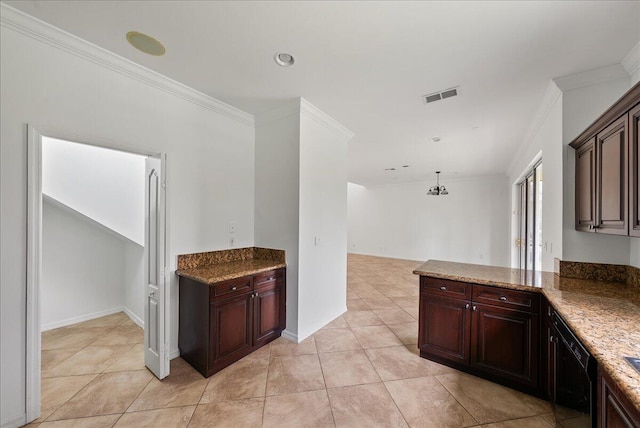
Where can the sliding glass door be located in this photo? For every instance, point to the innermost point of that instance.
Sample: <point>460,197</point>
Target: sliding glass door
<point>529,241</point>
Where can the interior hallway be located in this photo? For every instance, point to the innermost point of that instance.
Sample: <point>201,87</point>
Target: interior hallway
<point>362,370</point>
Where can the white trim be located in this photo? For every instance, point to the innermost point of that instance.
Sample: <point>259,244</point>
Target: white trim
<point>81,318</point>
<point>175,353</point>
<point>591,77</point>
<point>324,119</point>
<point>34,273</point>
<point>30,26</point>
<point>631,62</point>
<point>136,319</point>
<point>16,422</point>
<point>290,336</point>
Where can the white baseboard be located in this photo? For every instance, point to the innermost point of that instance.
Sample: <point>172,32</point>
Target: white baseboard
<point>81,318</point>
<point>15,422</point>
<point>290,336</point>
<point>136,319</point>
<point>175,353</point>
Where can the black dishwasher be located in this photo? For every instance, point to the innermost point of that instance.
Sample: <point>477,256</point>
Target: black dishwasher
<point>575,372</point>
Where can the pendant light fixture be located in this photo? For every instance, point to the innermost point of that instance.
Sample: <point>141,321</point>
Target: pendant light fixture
<point>437,189</point>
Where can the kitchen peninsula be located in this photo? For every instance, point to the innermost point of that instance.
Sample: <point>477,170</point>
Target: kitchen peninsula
<point>232,302</point>
<point>496,322</point>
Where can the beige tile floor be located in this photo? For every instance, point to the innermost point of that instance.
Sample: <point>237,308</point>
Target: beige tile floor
<point>361,370</point>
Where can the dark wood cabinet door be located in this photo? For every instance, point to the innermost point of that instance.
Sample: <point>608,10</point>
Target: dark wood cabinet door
<point>505,344</point>
<point>231,329</point>
<point>634,176</point>
<point>585,186</point>
<point>268,309</point>
<point>444,328</point>
<point>611,179</point>
<point>615,410</point>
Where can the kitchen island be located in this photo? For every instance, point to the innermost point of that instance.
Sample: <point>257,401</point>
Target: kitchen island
<point>603,314</point>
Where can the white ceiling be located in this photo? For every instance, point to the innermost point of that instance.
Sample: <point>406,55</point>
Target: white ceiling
<point>367,64</point>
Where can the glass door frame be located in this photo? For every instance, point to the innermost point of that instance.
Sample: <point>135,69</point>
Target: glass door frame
<point>527,220</point>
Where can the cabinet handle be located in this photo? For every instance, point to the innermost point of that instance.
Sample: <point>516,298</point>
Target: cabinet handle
<point>234,288</point>
<point>271,278</point>
<point>503,298</point>
<point>443,288</point>
<point>253,296</point>
<point>256,294</point>
<point>474,308</point>
<point>466,306</point>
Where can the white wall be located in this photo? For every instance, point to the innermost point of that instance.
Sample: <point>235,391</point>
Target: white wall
<point>82,268</point>
<point>322,292</point>
<point>545,141</point>
<point>277,193</point>
<point>470,224</point>
<point>105,185</point>
<point>75,89</point>
<point>580,107</point>
<point>301,194</point>
<point>134,286</point>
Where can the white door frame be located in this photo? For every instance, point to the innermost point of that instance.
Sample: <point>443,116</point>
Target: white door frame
<point>34,257</point>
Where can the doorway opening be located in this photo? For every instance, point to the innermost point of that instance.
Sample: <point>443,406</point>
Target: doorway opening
<point>96,261</point>
<point>529,240</point>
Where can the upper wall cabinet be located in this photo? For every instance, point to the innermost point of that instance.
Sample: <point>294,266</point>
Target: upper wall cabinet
<point>634,176</point>
<point>607,155</point>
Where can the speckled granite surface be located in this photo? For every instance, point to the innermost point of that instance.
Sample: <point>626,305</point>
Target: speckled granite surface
<point>216,266</point>
<point>189,261</point>
<point>605,315</point>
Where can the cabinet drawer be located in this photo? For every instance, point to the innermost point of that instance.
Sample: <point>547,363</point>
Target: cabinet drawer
<point>227,288</point>
<point>264,278</point>
<point>445,287</point>
<point>506,298</point>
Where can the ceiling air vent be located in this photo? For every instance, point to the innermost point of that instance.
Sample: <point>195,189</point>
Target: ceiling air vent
<point>437,96</point>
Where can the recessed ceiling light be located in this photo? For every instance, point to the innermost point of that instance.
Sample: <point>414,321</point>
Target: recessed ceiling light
<point>284,59</point>
<point>434,140</point>
<point>145,43</point>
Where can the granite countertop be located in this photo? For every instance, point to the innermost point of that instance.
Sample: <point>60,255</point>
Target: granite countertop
<point>211,274</point>
<point>215,266</point>
<point>604,315</point>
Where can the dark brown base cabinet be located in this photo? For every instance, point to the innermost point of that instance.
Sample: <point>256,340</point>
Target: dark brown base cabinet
<point>488,331</point>
<point>221,323</point>
<point>614,408</point>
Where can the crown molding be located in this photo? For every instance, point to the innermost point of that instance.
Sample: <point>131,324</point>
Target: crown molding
<point>324,119</point>
<point>37,29</point>
<point>631,62</point>
<point>591,77</point>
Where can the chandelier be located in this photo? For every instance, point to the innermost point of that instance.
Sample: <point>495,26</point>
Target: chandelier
<point>437,189</point>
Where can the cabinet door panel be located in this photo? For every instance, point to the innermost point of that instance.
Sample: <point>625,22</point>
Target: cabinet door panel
<point>585,186</point>
<point>444,328</point>
<point>615,410</point>
<point>504,343</point>
<point>267,323</point>
<point>611,191</point>
<point>634,176</point>
<point>230,324</point>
